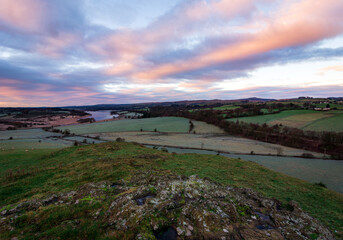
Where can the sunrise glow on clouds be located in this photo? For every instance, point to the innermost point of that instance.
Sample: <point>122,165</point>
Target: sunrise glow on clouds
<point>81,52</point>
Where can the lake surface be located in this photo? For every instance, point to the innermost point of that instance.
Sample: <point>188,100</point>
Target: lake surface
<point>329,172</point>
<point>101,115</point>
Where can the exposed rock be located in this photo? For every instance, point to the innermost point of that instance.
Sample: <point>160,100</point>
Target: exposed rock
<point>215,211</point>
<point>173,207</point>
<point>50,200</point>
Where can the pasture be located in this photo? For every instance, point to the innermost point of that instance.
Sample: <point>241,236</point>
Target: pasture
<point>31,144</point>
<point>206,141</point>
<point>332,105</point>
<point>36,133</point>
<point>328,172</point>
<point>31,139</point>
<point>161,124</point>
<point>226,107</point>
<point>334,123</point>
<point>302,119</point>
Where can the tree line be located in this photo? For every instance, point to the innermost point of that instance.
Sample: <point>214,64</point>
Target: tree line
<point>330,143</point>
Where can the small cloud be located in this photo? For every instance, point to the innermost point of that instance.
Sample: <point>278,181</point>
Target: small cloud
<point>331,68</point>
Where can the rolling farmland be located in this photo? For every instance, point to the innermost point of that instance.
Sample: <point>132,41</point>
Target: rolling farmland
<point>161,124</point>
<point>206,141</point>
<point>31,139</point>
<point>302,119</point>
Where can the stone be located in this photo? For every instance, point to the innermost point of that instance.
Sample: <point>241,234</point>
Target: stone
<point>191,208</point>
<point>50,200</point>
<point>190,227</point>
<point>179,231</point>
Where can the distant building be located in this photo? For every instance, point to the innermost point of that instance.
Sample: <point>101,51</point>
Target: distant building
<point>322,109</point>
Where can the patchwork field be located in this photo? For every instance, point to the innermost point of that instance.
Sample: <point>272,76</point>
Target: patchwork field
<point>30,139</point>
<point>161,124</point>
<point>334,123</point>
<point>205,141</point>
<point>332,105</point>
<point>30,144</point>
<point>27,133</point>
<point>226,107</point>
<point>303,119</point>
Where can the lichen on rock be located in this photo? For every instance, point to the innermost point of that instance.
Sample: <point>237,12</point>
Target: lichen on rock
<point>154,205</point>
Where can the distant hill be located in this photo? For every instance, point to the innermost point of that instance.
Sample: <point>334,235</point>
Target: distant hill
<point>255,99</point>
<point>153,104</point>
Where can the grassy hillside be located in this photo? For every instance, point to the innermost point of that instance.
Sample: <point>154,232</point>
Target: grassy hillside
<point>161,124</point>
<point>38,174</point>
<point>303,119</point>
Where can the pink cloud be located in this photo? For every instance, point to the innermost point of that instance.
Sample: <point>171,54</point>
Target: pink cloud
<point>40,94</point>
<point>227,9</point>
<point>126,49</point>
<point>27,15</point>
<point>331,68</point>
<point>302,23</point>
<point>6,81</point>
<point>52,46</point>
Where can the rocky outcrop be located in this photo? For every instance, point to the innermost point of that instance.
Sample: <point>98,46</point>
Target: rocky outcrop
<point>160,206</point>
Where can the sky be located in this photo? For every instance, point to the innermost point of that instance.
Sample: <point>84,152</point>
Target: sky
<point>85,52</point>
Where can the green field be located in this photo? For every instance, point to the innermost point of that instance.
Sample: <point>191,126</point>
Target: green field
<point>206,141</point>
<point>303,119</point>
<point>226,107</point>
<point>34,144</point>
<point>38,174</point>
<point>27,133</point>
<point>82,139</point>
<point>31,139</point>
<point>334,123</point>
<point>266,111</point>
<point>161,124</point>
<point>332,105</point>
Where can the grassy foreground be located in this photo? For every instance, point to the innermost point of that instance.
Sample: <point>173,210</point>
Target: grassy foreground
<point>37,174</point>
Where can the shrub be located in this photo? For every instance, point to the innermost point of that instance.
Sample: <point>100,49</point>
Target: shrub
<point>66,132</point>
<point>164,150</point>
<point>307,155</point>
<point>320,184</point>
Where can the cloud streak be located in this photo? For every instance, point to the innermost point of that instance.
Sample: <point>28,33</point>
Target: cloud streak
<point>52,51</point>
<point>280,34</point>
